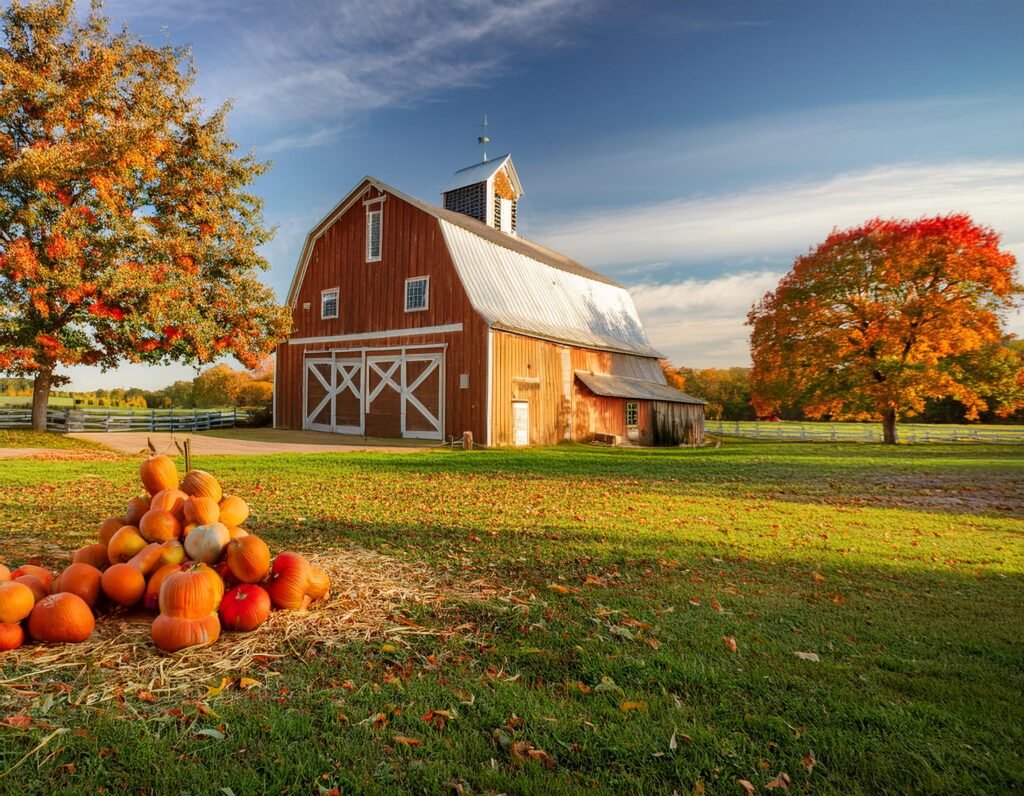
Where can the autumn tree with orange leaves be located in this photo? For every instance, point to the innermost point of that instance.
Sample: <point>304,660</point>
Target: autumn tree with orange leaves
<point>877,319</point>
<point>127,230</point>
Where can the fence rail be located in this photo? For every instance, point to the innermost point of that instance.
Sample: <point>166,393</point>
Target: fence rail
<point>862,432</point>
<point>72,420</point>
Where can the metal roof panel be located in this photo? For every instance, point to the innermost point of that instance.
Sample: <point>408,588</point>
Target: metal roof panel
<point>622,387</point>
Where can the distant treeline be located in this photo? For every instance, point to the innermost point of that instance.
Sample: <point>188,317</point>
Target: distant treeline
<point>216,387</point>
<point>727,391</point>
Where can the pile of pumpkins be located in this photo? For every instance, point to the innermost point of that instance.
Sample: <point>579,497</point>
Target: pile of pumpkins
<point>179,550</point>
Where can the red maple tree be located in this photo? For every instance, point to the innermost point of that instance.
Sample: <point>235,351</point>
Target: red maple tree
<point>868,323</point>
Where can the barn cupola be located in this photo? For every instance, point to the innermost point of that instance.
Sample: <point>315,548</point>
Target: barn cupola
<point>487,191</point>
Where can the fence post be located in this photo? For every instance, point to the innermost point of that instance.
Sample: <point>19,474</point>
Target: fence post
<point>234,419</point>
<point>152,420</point>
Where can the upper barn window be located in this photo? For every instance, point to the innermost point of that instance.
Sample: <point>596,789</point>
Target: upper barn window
<point>329,304</point>
<point>373,228</point>
<point>417,293</point>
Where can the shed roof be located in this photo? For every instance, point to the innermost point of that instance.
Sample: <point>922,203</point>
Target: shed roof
<point>622,387</point>
<point>481,172</point>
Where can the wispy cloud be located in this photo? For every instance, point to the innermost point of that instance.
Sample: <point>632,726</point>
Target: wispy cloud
<point>775,223</point>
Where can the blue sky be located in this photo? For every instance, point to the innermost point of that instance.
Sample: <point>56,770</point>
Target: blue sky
<point>689,149</point>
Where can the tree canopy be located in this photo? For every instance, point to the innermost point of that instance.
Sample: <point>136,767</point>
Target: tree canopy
<point>127,228</point>
<point>878,319</point>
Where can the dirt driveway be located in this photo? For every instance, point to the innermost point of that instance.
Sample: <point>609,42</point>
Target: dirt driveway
<point>248,442</point>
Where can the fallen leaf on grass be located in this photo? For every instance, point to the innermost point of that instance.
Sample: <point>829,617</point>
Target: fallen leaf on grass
<point>808,656</point>
<point>717,606</point>
<point>438,718</point>
<point>215,690</point>
<point>558,588</point>
<point>19,720</point>
<point>626,707</point>
<point>246,683</point>
<point>146,696</point>
<point>819,578</point>
<point>542,757</point>
<point>781,781</point>
<point>607,684</point>
<point>209,732</point>
<point>407,741</point>
<point>730,643</point>
<point>809,762</point>
<point>748,787</point>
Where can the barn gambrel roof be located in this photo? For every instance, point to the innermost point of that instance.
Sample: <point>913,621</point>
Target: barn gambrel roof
<point>517,285</point>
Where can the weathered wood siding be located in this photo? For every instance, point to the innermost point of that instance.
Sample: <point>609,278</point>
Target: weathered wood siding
<point>527,369</point>
<point>372,299</point>
<point>681,424</point>
<point>543,374</point>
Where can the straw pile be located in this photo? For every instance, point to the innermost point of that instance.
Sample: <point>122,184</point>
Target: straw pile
<point>369,594</point>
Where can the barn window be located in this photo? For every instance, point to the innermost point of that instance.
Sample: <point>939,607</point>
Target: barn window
<point>632,412</point>
<point>373,224</point>
<point>329,304</point>
<point>417,293</point>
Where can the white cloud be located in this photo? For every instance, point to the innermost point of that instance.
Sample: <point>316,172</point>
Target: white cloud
<point>776,223</point>
<point>699,323</point>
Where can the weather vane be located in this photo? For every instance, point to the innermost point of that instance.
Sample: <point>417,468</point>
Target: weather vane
<point>483,140</point>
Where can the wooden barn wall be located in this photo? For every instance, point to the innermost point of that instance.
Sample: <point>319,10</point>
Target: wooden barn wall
<point>599,414</point>
<point>632,367</point>
<point>687,420</point>
<point>527,369</point>
<point>540,372</point>
<point>372,298</point>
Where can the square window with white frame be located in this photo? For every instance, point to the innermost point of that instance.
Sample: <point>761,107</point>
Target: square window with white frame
<point>329,304</point>
<point>417,293</point>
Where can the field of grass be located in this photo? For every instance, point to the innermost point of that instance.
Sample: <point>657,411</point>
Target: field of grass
<point>643,635</point>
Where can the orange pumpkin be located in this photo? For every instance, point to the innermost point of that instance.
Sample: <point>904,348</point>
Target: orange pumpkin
<point>319,583</point>
<point>191,593</point>
<point>233,510</point>
<point>61,618</point>
<point>44,575</point>
<point>172,500</point>
<point>158,473</point>
<point>237,533</point>
<point>158,525</point>
<point>173,633</point>
<point>151,598</point>
<point>201,510</point>
<point>35,586</point>
<point>200,482</point>
<point>16,601</point>
<point>5,573</point>
<point>11,636</point>
<point>124,544</point>
<point>93,554</point>
<point>248,558</point>
<point>207,542</point>
<point>123,584</point>
<point>80,579</point>
<point>288,582</point>
<point>136,508</point>
<point>109,527</point>
<point>244,608</point>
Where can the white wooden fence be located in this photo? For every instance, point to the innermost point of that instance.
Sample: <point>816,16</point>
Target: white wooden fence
<point>862,432</point>
<point>93,419</point>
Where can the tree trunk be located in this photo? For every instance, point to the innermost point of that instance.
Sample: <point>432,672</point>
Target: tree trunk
<point>889,427</point>
<point>40,398</point>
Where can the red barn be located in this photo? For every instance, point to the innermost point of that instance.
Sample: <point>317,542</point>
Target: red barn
<point>417,321</point>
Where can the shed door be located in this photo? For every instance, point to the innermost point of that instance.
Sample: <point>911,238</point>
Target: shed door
<point>520,423</point>
<point>421,396</point>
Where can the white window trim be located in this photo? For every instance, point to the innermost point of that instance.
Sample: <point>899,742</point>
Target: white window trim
<point>426,293</point>
<point>370,212</point>
<point>637,405</point>
<point>337,303</point>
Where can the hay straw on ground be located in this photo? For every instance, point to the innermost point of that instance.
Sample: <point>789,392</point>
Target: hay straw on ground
<point>368,594</point>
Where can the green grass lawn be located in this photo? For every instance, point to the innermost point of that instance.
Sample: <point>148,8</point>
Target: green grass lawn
<point>621,578</point>
<point>12,438</point>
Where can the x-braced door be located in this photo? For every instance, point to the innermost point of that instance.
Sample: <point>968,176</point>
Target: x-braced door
<point>334,395</point>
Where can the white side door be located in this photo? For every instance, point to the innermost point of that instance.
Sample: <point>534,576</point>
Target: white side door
<point>520,423</point>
